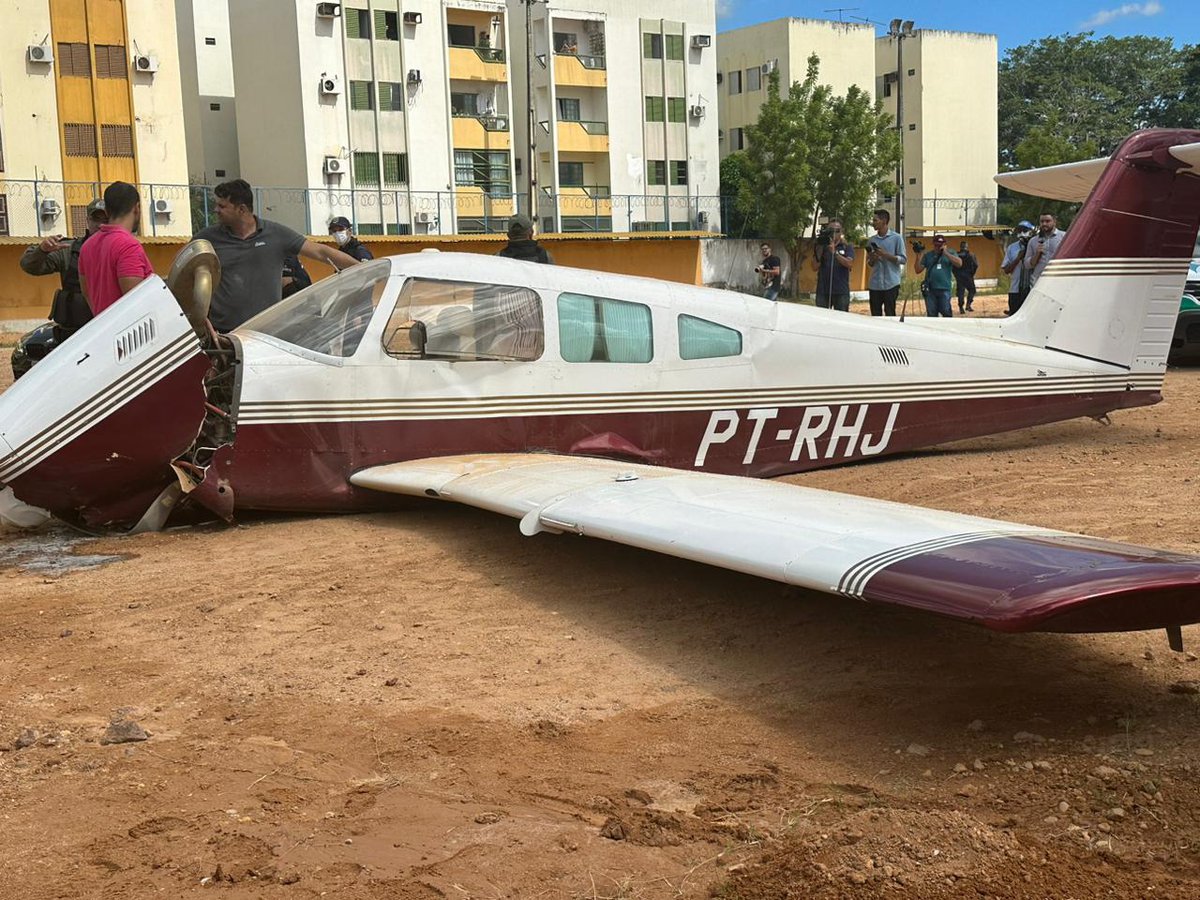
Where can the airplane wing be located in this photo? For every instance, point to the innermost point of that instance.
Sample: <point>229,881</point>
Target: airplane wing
<point>1074,181</point>
<point>1005,576</point>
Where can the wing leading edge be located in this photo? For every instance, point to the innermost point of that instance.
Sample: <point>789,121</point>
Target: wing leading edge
<point>1002,575</point>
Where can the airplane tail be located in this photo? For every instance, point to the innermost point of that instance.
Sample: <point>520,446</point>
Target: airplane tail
<point>1112,292</point>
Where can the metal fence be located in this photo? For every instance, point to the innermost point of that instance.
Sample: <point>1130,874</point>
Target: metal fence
<point>37,208</point>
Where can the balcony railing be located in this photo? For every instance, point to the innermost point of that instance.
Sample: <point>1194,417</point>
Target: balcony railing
<point>487,54</point>
<point>592,191</point>
<point>490,122</point>
<point>588,62</point>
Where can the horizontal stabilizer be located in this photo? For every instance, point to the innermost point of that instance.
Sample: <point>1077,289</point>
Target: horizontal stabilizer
<point>1074,181</point>
<point>1005,576</point>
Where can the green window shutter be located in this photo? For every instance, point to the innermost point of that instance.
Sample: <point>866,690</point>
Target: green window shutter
<point>366,169</point>
<point>380,24</point>
<point>654,109</point>
<point>674,46</point>
<point>360,95</point>
<point>353,29</point>
<point>385,95</point>
<point>675,109</point>
<point>679,172</point>
<point>395,168</point>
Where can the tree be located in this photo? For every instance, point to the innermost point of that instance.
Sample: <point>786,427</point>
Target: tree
<point>1044,145</point>
<point>811,150</point>
<point>1088,91</point>
<point>1183,109</point>
<point>737,222</point>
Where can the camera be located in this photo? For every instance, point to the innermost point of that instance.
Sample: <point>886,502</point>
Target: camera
<point>825,235</point>
<point>873,247</point>
<point>918,247</point>
<point>758,269</point>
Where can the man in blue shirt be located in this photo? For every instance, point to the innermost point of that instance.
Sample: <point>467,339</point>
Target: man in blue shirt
<point>832,262</point>
<point>886,256</point>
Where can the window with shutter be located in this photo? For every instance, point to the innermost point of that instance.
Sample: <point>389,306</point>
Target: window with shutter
<point>358,23</point>
<point>3,215</point>
<point>361,95</point>
<point>395,169</point>
<point>366,169</point>
<point>679,171</point>
<point>391,96</point>
<point>676,111</point>
<point>74,60</point>
<point>387,25</point>
<point>78,219</point>
<point>79,139</point>
<point>117,140</point>
<point>111,61</point>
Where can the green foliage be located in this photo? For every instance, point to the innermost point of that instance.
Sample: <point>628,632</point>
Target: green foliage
<point>1086,91</point>
<point>1044,145</point>
<point>813,150</point>
<point>739,222</point>
<point>1183,109</point>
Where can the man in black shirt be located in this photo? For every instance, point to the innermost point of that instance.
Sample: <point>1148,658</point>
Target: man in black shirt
<point>252,252</point>
<point>832,262</point>
<point>346,240</point>
<point>521,244</point>
<point>964,276</point>
<point>770,272</point>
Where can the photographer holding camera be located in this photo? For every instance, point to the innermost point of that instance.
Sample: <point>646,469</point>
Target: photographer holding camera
<point>940,264</point>
<point>1014,266</point>
<point>832,260</point>
<point>886,256</point>
<point>770,272</point>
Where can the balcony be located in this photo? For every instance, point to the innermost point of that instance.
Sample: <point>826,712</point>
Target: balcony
<point>582,137</point>
<point>574,70</point>
<point>584,201</point>
<point>481,132</point>
<point>478,63</point>
<point>476,203</point>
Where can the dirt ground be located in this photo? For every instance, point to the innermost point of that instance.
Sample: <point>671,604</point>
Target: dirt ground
<point>428,705</point>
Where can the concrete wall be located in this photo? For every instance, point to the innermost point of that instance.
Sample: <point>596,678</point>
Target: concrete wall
<point>28,111</point>
<point>206,75</point>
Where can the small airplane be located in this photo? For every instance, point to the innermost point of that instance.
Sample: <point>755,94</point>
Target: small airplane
<point>631,409</point>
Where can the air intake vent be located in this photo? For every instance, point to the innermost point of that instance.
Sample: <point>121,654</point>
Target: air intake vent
<point>136,339</point>
<point>894,356</point>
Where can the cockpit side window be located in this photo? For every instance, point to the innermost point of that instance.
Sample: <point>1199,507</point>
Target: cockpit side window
<point>702,339</point>
<point>331,316</point>
<point>598,329</point>
<point>458,320</point>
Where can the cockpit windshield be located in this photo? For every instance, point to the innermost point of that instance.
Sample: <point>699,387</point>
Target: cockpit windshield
<point>331,316</point>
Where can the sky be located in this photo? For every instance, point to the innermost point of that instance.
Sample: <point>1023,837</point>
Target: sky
<point>1014,23</point>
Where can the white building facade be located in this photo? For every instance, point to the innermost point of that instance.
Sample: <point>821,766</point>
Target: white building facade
<point>89,94</point>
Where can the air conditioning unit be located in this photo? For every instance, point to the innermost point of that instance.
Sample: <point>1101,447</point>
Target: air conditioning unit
<point>335,165</point>
<point>423,218</point>
<point>700,41</point>
<point>412,18</point>
<point>769,67</point>
<point>414,76</point>
<point>162,207</point>
<point>330,86</point>
<point>698,111</point>
<point>148,64</point>
<point>39,53</point>
<point>329,10</point>
<point>49,208</point>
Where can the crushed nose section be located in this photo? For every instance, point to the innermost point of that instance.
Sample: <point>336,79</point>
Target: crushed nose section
<point>89,434</point>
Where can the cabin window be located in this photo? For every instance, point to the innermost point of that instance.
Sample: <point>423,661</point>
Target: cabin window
<point>458,320</point>
<point>597,329</point>
<point>702,339</point>
<point>331,316</point>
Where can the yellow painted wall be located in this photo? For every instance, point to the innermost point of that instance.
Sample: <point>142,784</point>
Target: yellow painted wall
<point>574,138</point>
<point>570,72</point>
<point>467,65</point>
<point>677,259</point>
<point>469,134</point>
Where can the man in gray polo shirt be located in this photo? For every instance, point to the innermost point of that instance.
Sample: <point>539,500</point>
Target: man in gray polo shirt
<point>252,251</point>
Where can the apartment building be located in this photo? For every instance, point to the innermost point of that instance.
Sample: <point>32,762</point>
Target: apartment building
<point>746,58</point>
<point>624,134</point>
<point>947,84</point>
<point>89,94</point>
<point>948,93</point>
<point>209,102</point>
<point>424,116</point>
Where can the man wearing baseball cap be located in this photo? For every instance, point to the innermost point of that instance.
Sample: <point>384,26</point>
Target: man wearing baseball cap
<point>521,244</point>
<point>939,264</point>
<point>1014,266</point>
<point>342,233</point>
<point>54,254</point>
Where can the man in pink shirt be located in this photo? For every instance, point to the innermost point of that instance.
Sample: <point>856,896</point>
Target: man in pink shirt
<point>113,262</point>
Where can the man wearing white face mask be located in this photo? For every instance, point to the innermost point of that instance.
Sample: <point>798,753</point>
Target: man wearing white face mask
<point>346,241</point>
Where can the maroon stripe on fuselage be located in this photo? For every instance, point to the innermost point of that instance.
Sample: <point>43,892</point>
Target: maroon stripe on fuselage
<point>1046,583</point>
<point>306,466</point>
<point>113,471</point>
